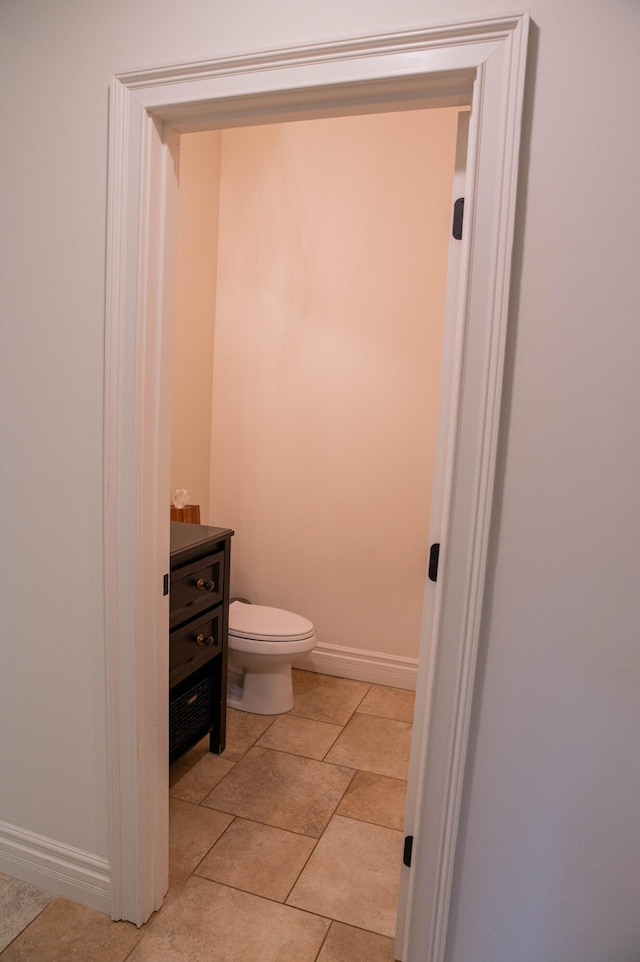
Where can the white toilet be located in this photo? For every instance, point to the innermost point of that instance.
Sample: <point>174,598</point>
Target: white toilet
<point>262,643</point>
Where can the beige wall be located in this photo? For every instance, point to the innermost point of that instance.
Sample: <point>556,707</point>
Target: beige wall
<point>196,256</point>
<point>331,277</point>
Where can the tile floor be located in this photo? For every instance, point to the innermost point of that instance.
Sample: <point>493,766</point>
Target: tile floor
<point>286,848</point>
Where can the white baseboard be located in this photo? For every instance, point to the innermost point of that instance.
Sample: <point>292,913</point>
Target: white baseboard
<point>55,867</point>
<point>375,667</point>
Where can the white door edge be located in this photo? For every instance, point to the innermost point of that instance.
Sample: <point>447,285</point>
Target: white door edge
<point>450,376</point>
<point>443,65</point>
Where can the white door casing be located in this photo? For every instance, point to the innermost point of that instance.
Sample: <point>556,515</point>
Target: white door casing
<point>479,63</point>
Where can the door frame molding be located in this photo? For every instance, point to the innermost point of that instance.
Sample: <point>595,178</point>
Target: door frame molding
<point>481,63</point>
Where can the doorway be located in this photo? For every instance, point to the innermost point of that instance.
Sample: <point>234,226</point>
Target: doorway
<point>317,253</point>
<point>481,64</point>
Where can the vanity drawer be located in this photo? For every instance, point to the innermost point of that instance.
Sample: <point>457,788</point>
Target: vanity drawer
<point>194,644</point>
<point>196,586</point>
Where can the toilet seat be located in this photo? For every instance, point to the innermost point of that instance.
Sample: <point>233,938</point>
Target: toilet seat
<point>261,623</point>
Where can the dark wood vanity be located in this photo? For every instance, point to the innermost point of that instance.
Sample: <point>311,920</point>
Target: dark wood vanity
<point>198,626</point>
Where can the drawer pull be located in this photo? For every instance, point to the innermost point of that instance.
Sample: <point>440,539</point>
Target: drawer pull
<point>203,640</point>
<point>203,585</point>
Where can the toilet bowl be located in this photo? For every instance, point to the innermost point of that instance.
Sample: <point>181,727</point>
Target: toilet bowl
<point>262,643</point>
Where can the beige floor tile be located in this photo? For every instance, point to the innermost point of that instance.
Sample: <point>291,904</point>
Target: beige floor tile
<point>19,905</point>
<point>326,698</point>
<point>192,832</point>
<point>208,922</point>
<point>353,876</point>
<point>286,791</point>
<point>373,744</point>
<point>243,729</point>
<point>346,944</point>
<point>375,798</point>
<point>196,783</point>
<point>257,858</point>
<point>389,703</point>
<point>300,736</point>
<point>67,932</point>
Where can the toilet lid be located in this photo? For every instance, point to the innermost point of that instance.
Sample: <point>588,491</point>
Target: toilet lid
<point>259,621</point>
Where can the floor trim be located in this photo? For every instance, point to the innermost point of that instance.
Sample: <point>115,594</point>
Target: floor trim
<point>377,668</point>
<point>55,867</point>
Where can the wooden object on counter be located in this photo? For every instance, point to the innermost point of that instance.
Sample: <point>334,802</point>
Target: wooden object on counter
<point>190,514</point>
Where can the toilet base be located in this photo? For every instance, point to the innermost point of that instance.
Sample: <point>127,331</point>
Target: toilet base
<point>263,692</point>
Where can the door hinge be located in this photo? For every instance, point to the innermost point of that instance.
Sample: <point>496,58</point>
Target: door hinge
<point>408,847</point>
<point>458,214</point>
<point>165,585</point>
<point>434,556</point>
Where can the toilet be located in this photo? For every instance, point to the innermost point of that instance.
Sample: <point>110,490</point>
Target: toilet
<point>262,643</point>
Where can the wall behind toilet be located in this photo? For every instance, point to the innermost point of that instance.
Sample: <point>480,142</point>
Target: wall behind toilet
<point>330,281</point>
<point>196,255</point>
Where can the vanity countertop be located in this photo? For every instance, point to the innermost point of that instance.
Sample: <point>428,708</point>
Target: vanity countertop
<point>185,537</point>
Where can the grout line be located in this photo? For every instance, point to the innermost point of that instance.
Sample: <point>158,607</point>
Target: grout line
<point>221,836</point>
<point>285,751</point>
<point>53,899</point>
<point>256,821</point>
<point>326,936</point>
<point>306,862</point>
<point>142,935</point>
<point>267,898</point>
<point>365,821</point>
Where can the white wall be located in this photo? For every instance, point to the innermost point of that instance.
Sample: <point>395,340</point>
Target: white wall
<point>550,859</point>
<point>333,245</point>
